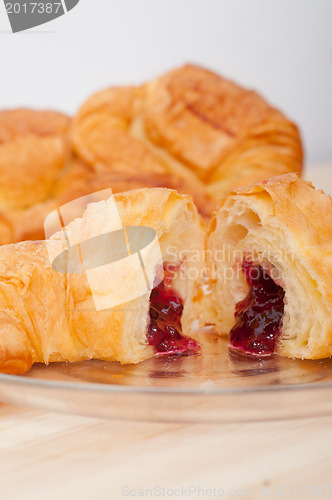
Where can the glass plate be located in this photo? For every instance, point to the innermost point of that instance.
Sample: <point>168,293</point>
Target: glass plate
<point>217,386</point>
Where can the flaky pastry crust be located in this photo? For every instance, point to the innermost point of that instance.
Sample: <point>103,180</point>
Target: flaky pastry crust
<point>190,124</point>
<point>33,151</point>
<point>49,316</point>
<point>284,225</point>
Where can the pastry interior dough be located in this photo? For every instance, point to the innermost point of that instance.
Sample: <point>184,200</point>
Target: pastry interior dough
<point>284,226</point>
<point>49,316</point>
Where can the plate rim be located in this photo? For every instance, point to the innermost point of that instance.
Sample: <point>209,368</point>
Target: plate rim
<point>21,380</point>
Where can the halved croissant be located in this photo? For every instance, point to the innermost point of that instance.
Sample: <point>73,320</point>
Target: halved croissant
<point>270,255</point>
<point>48,315</point>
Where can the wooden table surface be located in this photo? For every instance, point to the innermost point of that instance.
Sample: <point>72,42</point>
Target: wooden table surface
<point>53,456</point>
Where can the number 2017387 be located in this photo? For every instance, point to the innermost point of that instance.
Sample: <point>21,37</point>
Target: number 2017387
<point>33,7</point>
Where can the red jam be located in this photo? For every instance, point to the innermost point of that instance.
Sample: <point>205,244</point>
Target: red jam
<point>259,315</point>
<point>165,332</point>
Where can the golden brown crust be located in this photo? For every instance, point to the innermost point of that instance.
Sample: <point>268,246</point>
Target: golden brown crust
<point>33,152</point>
<point>190,124</point>
<point>270,149</point>
<point>48,316</point>
<point>286,225</point>
<point>192,102</point>
<point>15,123</point>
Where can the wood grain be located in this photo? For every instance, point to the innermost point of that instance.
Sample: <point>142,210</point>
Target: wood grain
<point>45,455</point>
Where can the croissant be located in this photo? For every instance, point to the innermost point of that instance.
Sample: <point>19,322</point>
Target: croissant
<point>270,257</point>
<point>189,124</point>
<point>52,309</point>
<point>33,152</point>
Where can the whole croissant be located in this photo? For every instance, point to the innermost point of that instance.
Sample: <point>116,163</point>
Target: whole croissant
<point>270,254</point>
<point>190,123</point>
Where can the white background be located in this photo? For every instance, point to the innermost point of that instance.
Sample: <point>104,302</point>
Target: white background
<point>283,48</point>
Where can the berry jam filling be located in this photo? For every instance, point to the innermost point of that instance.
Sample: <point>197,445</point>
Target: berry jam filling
<point>259,315</point>
<point>165,332</point>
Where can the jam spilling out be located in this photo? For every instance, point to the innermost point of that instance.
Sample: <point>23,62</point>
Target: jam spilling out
<point>164,331</point>
<point>259,315</point>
